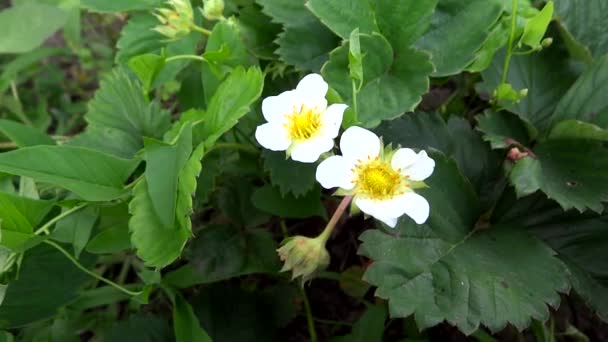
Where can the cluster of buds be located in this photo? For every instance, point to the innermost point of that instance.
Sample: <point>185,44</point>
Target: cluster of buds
<point>175,22</point>
<point>304,256</point>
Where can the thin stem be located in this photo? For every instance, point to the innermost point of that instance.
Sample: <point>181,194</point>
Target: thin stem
<point>355,91</point>
<point>45,228</point>
<point>19,111</point>
<point>284,229</point>
<point>334,219</point>
<point>7,145</point>
<point>309,318</point>
<point>234,146</point>
<point>89,272</point>
<point>505,70</point>
<point>178,57</point>
<point>201,30</point>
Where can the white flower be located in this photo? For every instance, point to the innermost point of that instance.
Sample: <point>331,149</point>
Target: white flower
<point>382,183</point>
<point>300,122</point>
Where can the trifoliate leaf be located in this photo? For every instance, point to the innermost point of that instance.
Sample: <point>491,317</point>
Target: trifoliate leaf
<point>290,176</point>
<point>450,269</point>
<point>567,171</point>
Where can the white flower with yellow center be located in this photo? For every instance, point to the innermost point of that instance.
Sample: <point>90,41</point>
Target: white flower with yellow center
<point>382,183</point>
<point>300,122</point>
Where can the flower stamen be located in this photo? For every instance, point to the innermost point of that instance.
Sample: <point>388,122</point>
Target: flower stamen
<point>303,122</point>
<point>377,180</point>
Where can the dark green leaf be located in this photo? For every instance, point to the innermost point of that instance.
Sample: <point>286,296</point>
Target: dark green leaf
<point>574,129</point>
<point>502,129</point>
<point>113,230</point>
<point>76,229</point>
<point>140,328</point>
<point>258,33</point>
<point>23,135</point>
<point>92,175</point>
<point>270,200</point>
<point>290,176</point>
<point>185,323</point>
<point>568,171</point>
<point>19,217</point>
<point>234,200</point>
<point>119,6</point>
<point>583,19</point>
<point>343,17</point>
<point>147,67</point>
<point>369,327</point>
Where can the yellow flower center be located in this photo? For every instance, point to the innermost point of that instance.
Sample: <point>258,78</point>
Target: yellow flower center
<point>303,122</point>
<point>376,179</point>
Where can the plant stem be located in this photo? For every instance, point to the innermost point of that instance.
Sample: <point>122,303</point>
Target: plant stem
<point>201,30</point>
<point>309,318</point>
<point>19,112</point>
<point>334,219</point>
<point>178,57</point>
<point>505,69</point>
<point>7,145</point>
<point>45,228</point>
<point>355,91</point>
<point>89,272</point>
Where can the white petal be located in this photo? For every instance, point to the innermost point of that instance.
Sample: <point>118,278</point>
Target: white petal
<point>331,119</point>
<point>312,88</point>
<point>422,167</point>
<point>308,151</point>
<point>336,172</point>
<point>403,158</point>
<point>273,137</point>
<point>358,143</point>
<point>416,207</point>
<point>275,108</point>
<point>389,221</point>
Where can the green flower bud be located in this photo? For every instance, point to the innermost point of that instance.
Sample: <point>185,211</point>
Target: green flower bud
<point>175,22</point>
<point>213,9</point>
<point>304,256</point>
<point>545,43</point>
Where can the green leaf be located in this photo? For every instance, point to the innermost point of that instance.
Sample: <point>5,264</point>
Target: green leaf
<point>574,129</point>
<point>141,328</point>
<point>344,17</point>
<point>230,102</point>
<point>46,282</point>
<point>568,171</point>
<point>164,163</point>
<point>185,323</point>
<point>502,129</point>
<point>393,82</point>
<point>355,59</point>
<point>369,327</point>
<point>23,62</point>
<point>234,201</point>
<point>19,216</point>
<point>147,67</point>
<point>76,229</point>
<point>92,175</point>
<point>290,176</point>
<point>304,42</point>
<point>270,200</point>
<point>23,135</point>
<point>581,243</point>
<point>535,28</point>
<point>584,101</point>
<point>113,227</point>
<point>257,32</point>
<point>119,6</point>
<point>547,75</point>
<point>447,270</point>
<point>119,116</point>
<point>454,138</point>
<point>27,26</point>
<point>498,38</point>
<point>458,29</point>
<point>582,20</point>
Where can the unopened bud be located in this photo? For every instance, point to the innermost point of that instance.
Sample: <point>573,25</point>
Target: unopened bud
<point>304,256</point>
<point>175,22</point>
<point>545,43</point>
<point>213,9</point>
<point>523,93</point>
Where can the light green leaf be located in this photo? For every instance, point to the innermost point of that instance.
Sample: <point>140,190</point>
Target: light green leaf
<point>23,135</point>
<point>230,102</point>
<point>393,83</point>
<point>147,67</point>
<point>19,216</point>
<point>76,229</point>
<point>498,38</point>
<point>119,116</point>
<point>92,175</point>
<point>355,59</point>
<point>27,26</point>
<point>458,29</point>
<point>585,100</point>
<point>574,129</point>
<point>304,42</point>
<point>185,323</point>
<point>369,327</point>
<point>119,6</point>
<point>547,75</point>
<point>447,270</point>
<point>270,200</point>
<point>583,20</point>
<point>502,129</point>
<point>535,28</point>
<point>290,176</point>
<point>568,171</point>
<point>46,282</point>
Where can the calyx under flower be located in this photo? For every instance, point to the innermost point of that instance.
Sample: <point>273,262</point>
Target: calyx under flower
<point>304,256</point>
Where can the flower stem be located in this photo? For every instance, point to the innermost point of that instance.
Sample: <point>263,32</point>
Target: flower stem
<point>178,57</point>
<point>334,219</point>
<point>89,272</point>
<point>45,228</point>
<point>505,70</point>
<point>201,30</point>
<point>309,318</point>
